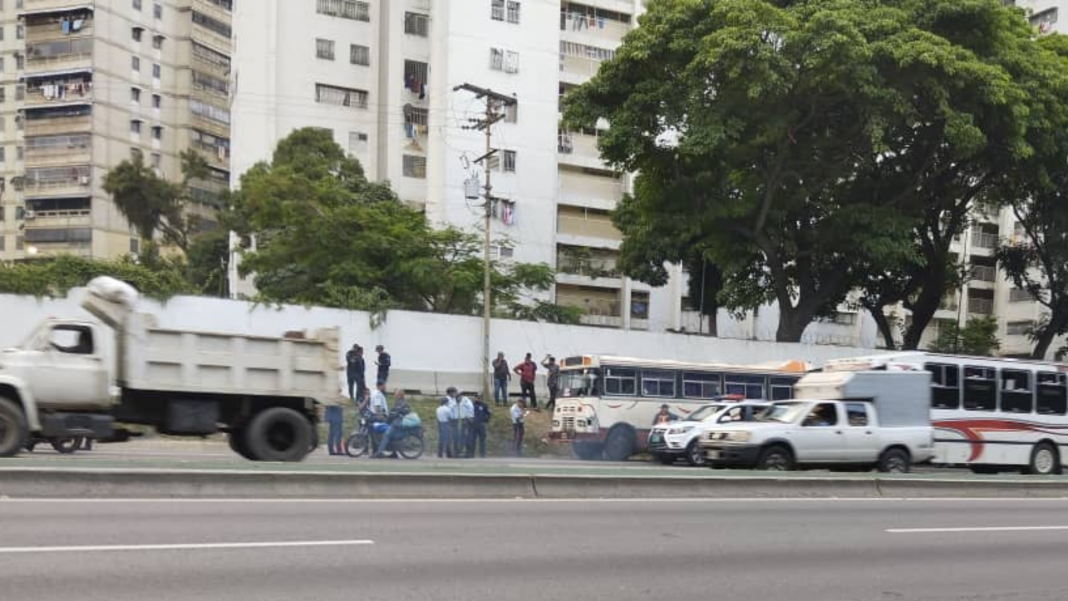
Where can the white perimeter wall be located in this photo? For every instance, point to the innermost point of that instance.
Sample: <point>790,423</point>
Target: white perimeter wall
<point>430,351</point>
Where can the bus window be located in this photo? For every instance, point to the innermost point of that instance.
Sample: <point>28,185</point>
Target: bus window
<point>1052,394</point>
<point>620,381</point>
<point>782,388</point>
<point>658,383</point>
<point>696,385</point>
<point>750,387</point>
<point>980,389</point>
<point>1016,395</point>
<point>945,385</point>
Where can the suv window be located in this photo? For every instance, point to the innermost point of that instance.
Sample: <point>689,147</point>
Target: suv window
<point>822,415</point>
<point>857,414</point>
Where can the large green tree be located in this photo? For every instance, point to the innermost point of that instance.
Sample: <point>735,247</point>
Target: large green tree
<point>812,147</point>
<point>326,234</point>
<point>978,338</point>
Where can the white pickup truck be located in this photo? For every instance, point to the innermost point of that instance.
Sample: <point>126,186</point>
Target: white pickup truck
<point>81,378</point>
<point>871,419</point>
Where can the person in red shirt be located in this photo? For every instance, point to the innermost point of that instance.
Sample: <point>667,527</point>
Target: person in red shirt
<point>526,371</point>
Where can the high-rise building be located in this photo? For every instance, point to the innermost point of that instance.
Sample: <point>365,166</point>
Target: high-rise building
<point>88,84</point>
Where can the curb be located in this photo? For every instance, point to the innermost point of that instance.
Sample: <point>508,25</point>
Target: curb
<point>65,483</point>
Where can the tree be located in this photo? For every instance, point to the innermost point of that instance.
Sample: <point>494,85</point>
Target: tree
<point>153,204</point>
<point>809,147</point>
<point>56,277</point>
<point>325,234</point>
<point>978,338</point>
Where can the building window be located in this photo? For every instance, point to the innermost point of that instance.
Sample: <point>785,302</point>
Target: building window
<point>20,62</point>
<point>512,11</point>
<point>585,51</point>
<point>157,42</point>
<point>416,74</point>
<point>414,166</point>
<point>1018,328</point>
<point>135,126</point>
<point>210,111</point>
<point>346,9</point>
<point>136,33</point>
<point>325,94</point>
<point>157,101</point>
<point>136,154</point>
<point>211,24</point>
<point>157,132</point>
<point>3,93</point>
<point>20,91</point>
<point>157,159</point>
<point>135,64</point>
<point>2,152</point>
<point>203,81</point>
<point>359,55</point>
<point>511,113</point>
<point>20,31</point>
<point>1020,295</point>
<point>504,60</point>
<point>157,71</point>
<point>20,153</point>
<point>324,49</point>
<point>417,24</point>
<point>357,142</point>
<point>135,95</point>
<point>157,11</point>
<point>497,10</point>
<point>509,161</point>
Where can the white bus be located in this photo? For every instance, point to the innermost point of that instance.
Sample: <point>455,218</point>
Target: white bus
<point>606,404</point>
<point>989,414</point>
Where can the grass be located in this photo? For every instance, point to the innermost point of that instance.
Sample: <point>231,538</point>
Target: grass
<point>498,431</point>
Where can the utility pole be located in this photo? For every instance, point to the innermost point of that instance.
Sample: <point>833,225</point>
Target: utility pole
<point>494,101</point>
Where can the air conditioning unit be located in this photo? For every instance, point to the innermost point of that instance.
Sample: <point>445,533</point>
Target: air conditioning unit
<point>29,215</point>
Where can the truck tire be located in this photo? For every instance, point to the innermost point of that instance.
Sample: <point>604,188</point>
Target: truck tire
<point>620,445</point>
<point>776,458</point>
<point>66,446</point>
<point>586,451</point>
<point>895,461</point>
<point>238,444</point>
<point>1045,461</point>
<point>695,456</point>
<point>278,434</point>
<point>14,433</point>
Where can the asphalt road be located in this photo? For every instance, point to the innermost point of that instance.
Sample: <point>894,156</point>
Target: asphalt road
<point>818,550</point>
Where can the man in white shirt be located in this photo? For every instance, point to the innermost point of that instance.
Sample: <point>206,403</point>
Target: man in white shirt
<point>444,428</point>
<point>379,406</point>
<point>519,413</point>
<point>454,421</point>
<point>467,427</point>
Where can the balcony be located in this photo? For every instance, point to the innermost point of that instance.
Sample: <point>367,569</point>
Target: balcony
<point>212,39</point>
<point>981,306</point>
<point>579,28</point>
<point>578,149</point>
<point>984,240</point>
<point>45,157</point>
<point>56,181</point>
<point>55,29</point>
<point>59,125</point>
<point>59,93</point>
<point>59,219</point>
<point>984,273</point>
<point>577,70</point>
<point>585,227</point>
<point>580,188</point>
<point>211,126</point>
<point>217,156</point>
<point>59,55</point>
<point>46,6</point>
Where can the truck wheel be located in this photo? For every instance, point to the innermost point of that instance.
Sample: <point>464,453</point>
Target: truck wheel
<point>894,461</point>
<point>1044,460</point>
<point>695,456</point>
<point>776,459</point>
<point>66,446</point>
<point>620,445</point>
<point>238,444</point>
<point>14,432</point>
<point>586,451</point>
<point>278,434</point>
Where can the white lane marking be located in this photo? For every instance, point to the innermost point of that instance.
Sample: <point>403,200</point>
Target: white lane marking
<point>979,529</point>
<point>998,500</point>
<point>187,547</point>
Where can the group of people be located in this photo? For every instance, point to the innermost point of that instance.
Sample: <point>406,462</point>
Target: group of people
<point>527,372</point>
<point>462,425</point>
<point>356,372</point>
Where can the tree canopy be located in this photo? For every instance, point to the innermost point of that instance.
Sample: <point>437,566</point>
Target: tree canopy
<point>808,148</point>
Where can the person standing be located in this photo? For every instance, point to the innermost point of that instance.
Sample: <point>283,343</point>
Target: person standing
<point>527,371</point>
<point>335,417</point>
<point>482,417</point>
<point>383,362</point>
<point>467,427</point>
<point>552,372</point>
<point>444,428</point>
<point>454,422</point>
<point>664,416</point>
<point>519,414</point>
<point>501,375</point>
<point>354,371</point>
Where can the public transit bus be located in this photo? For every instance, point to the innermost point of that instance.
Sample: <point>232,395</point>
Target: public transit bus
<point>989,414</point>
<point>606,405</point>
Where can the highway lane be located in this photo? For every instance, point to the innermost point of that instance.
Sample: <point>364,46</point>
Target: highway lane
<point>823,550</point>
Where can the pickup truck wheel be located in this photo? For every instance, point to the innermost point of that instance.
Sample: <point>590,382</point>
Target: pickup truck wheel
<point>66,446</point>
<point>1044,460</point>
<point>620,445</point>
<point>278,434</point>
<point>238,444</point>
<point>776,459</point>
<point>895,461</point>
<point>14,433</point>
<point>695,455</point>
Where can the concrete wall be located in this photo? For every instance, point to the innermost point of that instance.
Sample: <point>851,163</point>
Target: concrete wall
<point>430,351</point>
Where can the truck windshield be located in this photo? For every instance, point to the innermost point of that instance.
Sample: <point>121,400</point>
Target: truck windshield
<point>781,412</point>
<point>704,413</point>
<point>580,383</point>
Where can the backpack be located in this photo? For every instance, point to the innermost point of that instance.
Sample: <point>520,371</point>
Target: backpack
<point>411,420</point>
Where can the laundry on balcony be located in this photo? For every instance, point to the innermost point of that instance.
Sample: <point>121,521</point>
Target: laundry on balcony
<point>504,210</point>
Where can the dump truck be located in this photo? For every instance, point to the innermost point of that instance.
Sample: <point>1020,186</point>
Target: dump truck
<point>91,378</point>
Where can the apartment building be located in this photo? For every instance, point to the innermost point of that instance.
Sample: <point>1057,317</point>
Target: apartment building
<point>85,85</point>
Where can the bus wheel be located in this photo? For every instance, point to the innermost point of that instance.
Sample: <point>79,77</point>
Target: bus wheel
<point>586,451</point>
<point>1044,460</point>
<point>620,445</point>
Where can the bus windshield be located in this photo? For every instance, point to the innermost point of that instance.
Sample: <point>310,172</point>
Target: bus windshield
<point>781,412</point>
<point>704,413</point>
<point>579,383</point>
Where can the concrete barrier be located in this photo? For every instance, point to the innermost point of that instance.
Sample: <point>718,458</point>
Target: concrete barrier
<point>83,483</point>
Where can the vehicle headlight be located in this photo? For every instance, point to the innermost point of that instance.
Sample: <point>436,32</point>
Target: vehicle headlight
<point>680,430</point>
<point>739,436</point>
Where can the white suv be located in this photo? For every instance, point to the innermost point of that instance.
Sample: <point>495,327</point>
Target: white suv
<point>681,439</point>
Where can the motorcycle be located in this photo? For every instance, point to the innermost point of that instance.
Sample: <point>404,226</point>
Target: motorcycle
<point>407,441</point>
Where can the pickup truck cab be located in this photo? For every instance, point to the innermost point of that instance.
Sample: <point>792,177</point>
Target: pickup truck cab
<point>861,419</point>
<point>681,439</point>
